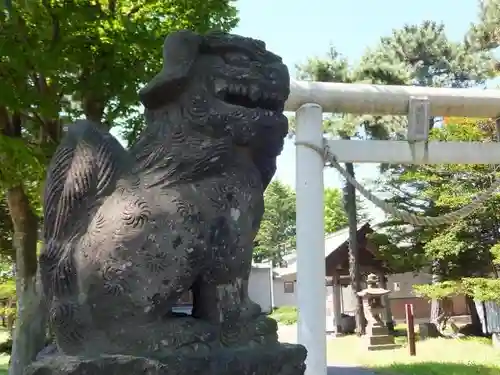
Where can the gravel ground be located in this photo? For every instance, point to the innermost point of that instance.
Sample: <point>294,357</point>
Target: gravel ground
<point>287,333</point>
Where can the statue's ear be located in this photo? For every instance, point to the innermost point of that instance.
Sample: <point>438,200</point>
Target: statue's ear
<point>180,51</point>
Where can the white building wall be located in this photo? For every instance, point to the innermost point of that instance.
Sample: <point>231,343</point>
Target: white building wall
<point>348,300</point>
<point>259,287</point>
<point>403,281</point>
<point>401,284</point>
<point>280,297</point>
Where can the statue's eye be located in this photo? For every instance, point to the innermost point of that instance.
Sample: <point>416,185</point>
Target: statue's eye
<point>235,58</point>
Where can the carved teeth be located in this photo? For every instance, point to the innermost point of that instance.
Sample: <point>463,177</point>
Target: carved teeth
<point>220,86</point>
<point>260,99</point>
<point>254,93</point>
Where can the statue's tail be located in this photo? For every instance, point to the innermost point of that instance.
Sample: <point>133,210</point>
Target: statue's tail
<point>83,170</point>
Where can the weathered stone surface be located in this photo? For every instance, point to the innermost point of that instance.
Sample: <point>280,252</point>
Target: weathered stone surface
<point>282,359</point>
<point>127,232</point>
<point>348,323</point>
<point>377,333</point>
<point>428,330</point>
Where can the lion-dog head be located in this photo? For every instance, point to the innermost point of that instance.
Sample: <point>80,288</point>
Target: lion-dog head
<point>230,86</point>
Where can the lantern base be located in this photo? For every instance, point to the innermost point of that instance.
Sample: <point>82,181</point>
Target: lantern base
<point>378,338</point>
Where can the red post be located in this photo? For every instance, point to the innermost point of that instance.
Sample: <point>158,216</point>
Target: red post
<point>410,322</point>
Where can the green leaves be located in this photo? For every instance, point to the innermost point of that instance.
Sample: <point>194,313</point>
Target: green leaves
<point>439,290</point>
<point>276,236</point>
<point>7,289</point>
<point>19,160</point>
<point>335,214</point>
<point>484,35</point>
<point>90,58</point>
<point>333,68</point>
<point>63,60</point>
<point>461,249</point>
<point>479,288</point>
<point>495,253</point>
<point>423,55</point>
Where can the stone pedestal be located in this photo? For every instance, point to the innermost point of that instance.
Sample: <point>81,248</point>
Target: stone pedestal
<point>378,338</point>
<point>244,348</point>
<point>278,359</point>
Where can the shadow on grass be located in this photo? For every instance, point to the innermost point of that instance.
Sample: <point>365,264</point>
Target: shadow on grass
<point>434,368</point>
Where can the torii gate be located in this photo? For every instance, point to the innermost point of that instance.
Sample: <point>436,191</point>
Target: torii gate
<point>309,100</point>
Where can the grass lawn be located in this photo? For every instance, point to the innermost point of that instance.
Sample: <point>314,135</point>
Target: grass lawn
<point>440,356</point>
<point>4,364</point>
<point>286,315</point>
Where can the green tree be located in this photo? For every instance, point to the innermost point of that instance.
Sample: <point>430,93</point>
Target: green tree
<point>335,213</point>
<point>458,250</point>
<point>276,236</point>
<point>64,60</point>
<point>277,233</point>
<point>483,34</point>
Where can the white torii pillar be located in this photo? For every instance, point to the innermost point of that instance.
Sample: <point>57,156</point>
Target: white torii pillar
<point>311,291</point>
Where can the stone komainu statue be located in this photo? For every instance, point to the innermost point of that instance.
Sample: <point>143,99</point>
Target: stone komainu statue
<point>127,232</point>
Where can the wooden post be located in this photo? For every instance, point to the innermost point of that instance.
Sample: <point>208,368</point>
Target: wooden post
<point>410,322</point>
<point>337,300</point>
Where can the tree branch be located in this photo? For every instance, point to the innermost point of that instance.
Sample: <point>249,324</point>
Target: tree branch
<point>135,9</point>
<point>25,228</point>
<point>4,119</point>
<point>55,23</point>
<point>112,7</point>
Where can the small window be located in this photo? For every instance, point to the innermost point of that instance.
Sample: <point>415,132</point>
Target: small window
<point>288,286</point>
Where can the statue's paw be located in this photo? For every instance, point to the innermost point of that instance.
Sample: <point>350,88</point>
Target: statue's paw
<point>258,331</point>
<point>249,309</point>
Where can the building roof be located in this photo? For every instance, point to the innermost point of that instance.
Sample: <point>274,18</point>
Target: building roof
<point>261,265</point>
<point>333,242</point>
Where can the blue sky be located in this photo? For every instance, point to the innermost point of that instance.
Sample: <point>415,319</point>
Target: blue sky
<point>297,30</point>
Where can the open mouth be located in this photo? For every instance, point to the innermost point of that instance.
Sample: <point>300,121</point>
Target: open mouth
<point>250,97</point>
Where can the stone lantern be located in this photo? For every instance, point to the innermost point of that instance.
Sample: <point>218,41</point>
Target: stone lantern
<point>377,332</point>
